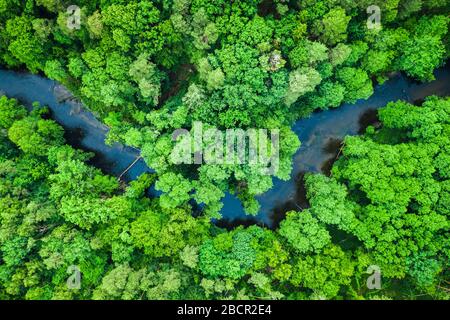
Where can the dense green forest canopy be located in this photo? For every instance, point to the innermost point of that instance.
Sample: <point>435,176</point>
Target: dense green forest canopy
<point>147,68</point>
<point>387,203</point>
<point>150,67</point>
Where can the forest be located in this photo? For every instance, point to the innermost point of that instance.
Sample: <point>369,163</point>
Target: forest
<point>147,68</point>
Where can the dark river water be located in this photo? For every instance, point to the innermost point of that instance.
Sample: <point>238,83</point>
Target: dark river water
<point>83,130</point>
<point>320,134</point>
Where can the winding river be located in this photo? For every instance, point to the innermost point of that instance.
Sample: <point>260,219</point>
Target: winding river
<point>83,130</point>
<point>320,134</point>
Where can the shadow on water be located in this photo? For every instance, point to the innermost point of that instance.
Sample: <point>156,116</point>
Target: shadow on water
<point>277,214</point>
<point>102,162</point>
<point>82,129</point>
<point>418,102</point>
<point>232,224</point>
<point>333,147</point>
<point>298,203</point>
<point>321,135</point>
<point>368,118</point>
<point>74,137</point>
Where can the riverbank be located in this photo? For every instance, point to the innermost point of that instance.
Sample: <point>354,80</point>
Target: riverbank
<point>320,135</point>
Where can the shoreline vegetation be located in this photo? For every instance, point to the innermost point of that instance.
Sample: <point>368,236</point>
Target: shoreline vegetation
<point>147,68</point>
<point>317,154</point>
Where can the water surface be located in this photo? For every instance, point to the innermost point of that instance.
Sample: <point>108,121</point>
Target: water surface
<point>320,134</point>
<point>83,130</point>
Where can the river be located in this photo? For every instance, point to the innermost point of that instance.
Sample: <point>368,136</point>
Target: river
<point>320,135</point>
<point>83,130</point>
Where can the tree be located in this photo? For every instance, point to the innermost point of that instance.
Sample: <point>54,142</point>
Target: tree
<point>189,256</point>
<point>10,111</point>
<point>340,54</point>
<point>391,176</point>
<point>333,27</point>
<point>24,45</point>
<point>215,79</point>
<point>176,189</point>
<point>36,136</point>
<point>147,76</point>
<point>407,8</point>
<point>86,212</point>
<point>50,5</point>
<point>95,25</point>
<point>328,200</point>
<point>146,68</point>
<point>125,283</point>
<point>421,56</point>
<point>307,53</point>
<point>301,81</point>
<point>66,246</point>
<point>166,233</point>
<point>377,62</point>
<point>356,83</point>
<point>425,51</point>
<point>303,232</point>
<point>424,270</point>
<point>324,273</point>
<point>330,95</point>
<point>228,255</point>
<point>55,70</point>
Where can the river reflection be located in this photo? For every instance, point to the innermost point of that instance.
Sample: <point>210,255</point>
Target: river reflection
<point>321,135</point>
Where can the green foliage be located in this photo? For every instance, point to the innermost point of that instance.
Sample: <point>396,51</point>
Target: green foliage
<point>176,190</point>
<point>425,48</point>
<point>333,27</point>
<point>303,232</point>
<point>395,184</point>
<point>229,255</point>
<point>356,82</point>
<point>147,68</point>
<point>35,135</point>
<point>328,200</point>
<point>10,111</point>
<point>23,44</point>
<point>166,233</point>
<point>301,81</point>
<point>324,273</point>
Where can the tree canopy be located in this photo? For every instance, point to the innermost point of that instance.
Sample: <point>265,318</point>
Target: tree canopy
<point>150,68</point>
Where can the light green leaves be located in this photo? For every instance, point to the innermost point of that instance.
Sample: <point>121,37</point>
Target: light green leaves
<point>304,232</point>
